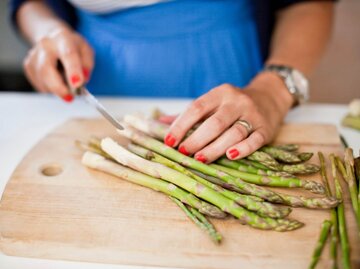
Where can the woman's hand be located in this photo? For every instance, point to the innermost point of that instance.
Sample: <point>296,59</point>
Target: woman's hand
<point>263,104</point>
<point>74,53</point>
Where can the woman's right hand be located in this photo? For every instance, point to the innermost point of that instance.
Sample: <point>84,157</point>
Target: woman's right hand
<point>64,45</point>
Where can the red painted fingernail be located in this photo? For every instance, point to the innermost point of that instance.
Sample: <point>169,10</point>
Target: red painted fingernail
<point>234,153</point>
<point>68,98</point>
<point>201,158</point>
<point>74,79</point>
<point>169,140</point>
<point>86,73</point>
<point>183,150</point>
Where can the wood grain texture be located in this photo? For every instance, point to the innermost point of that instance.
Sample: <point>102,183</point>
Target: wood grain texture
<point>85,215</point>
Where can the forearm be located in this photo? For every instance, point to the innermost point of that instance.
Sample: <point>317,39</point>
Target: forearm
<point>301,34</point>
<point>35,19</point>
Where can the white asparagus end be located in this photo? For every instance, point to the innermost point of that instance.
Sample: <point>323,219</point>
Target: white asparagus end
<point>127,158</point>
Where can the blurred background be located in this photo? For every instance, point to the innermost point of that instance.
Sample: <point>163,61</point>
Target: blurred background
<point>337,79</point>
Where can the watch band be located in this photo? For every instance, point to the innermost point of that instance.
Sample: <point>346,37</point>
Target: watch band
<point>294,80</point>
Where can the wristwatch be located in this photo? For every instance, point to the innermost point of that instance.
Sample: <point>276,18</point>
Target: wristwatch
<point>296,83</point>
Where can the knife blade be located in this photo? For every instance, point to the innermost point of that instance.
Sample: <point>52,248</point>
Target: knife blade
<point>91,99</point>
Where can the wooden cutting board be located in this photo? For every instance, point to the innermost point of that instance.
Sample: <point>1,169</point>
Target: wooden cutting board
<point>55,208</point>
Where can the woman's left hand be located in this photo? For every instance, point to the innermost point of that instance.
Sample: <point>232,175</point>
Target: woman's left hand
<point>263,104</point>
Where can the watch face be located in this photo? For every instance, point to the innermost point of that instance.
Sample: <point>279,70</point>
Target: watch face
<point>301,83</point>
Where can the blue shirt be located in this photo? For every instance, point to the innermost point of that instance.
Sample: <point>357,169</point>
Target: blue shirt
<point>181,48</point>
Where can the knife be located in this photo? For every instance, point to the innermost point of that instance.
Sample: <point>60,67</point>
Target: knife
<point>91,99</point>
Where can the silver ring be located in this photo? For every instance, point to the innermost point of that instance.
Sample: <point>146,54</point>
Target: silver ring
<point>246,124</point>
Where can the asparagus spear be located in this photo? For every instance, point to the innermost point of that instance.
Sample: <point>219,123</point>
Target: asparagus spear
<point>151,127</point>
<point>202,218</point>
<point>344,240</point>
<point>281,155</point>
<point>357,170</point>
<point>352,122</point>
<point>201,222</point>
<point>340,166</point>
<point>156,113</point>
<point>145,153</point>
<point>324,174</point>
<point>294,201</point>
<point>223,184</point>
<point>254,164</point>
<point>270,162</point>
<point>301,168</point>
<point>333,212</point>
<point>246,166</point>
<point>334,238</point>
<point>351,181</point>
<point>305,156</point>
<point>90,147</point>
<point>261,208</point>
<point>265,159</point>
<point>273,181</point>
<point>347,172</point>
<point>98,162</point>
<point>288,147</point>
<point>162,149</point>
<point>357,174</point>
<point>125,157</point>
<point>325,229</point>
<point>314,203</point>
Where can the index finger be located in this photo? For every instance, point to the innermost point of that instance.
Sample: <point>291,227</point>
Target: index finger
<point>196,111</point>
<point>70,58</point>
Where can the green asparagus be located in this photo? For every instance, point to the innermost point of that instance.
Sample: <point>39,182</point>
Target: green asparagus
<point>90,147</point>
<point>262,208</point>
<point>265,159</point>
<point>208,225</point>
<point>254,164</point>
<point>222,183</point>
<point>352,122</point>
<point>201,222</point>
<point>325,229</point>
<point>273,181</point>
<point>125,157</point>
<point>301,168</point>
<point>340,166</point>
<point>98,162</point>
<point>314,203</point>
<point>357,174</point>
<point>305,156</point>
<point>245,166</point>
<point>151,127</point>
<point>357,170</point>
<point>288,147</point>
<point>281,155</point>
<point>351,181</point>
<point>334,229</point>
<point>158,147</point>
<point>344,240</point>
<point>324,174</point>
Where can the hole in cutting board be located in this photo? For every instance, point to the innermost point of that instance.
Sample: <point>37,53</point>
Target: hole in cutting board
<point>51,170</point>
